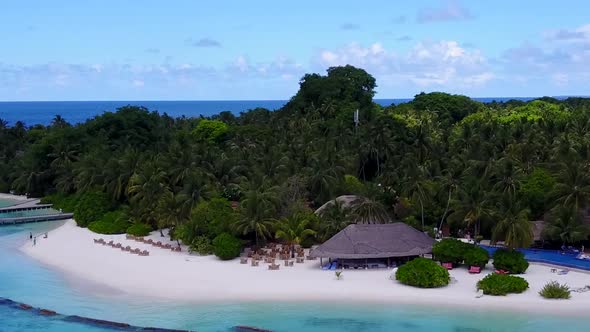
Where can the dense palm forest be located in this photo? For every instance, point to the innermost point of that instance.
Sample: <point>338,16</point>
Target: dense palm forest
<point>439,161</point>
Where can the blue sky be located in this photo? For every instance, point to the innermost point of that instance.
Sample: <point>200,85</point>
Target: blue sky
<point>219,50</point>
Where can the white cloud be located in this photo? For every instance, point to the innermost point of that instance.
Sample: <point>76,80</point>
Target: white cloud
<point>452,10</point>
<point>138,83</point>
<point>427,64</point>
<point>580,34</point>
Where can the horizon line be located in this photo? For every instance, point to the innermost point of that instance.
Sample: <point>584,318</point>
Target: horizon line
<point>242,100</point>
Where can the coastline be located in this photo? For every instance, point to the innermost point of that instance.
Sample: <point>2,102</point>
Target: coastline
<point>173,276</point>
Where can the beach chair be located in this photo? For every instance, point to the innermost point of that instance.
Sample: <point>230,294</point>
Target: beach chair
<point>244,260</point>
<point>273,266</point>
<point>299,259</point>
<point>111,243</point>
<point>254,263</point>
<point>290,263</point>
<point>118,245</point>
<point>448,266</point>
<point>474,269</point>
<point>95,241</point>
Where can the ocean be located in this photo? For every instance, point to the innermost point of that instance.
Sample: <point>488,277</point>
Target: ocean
<point>25,280</point>
<point>42,112</point>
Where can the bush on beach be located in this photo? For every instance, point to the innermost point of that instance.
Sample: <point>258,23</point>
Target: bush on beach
<point>114,222</point>
<point>555,290</point>
<point>139,229</point>
<point>502,284</point>
<point>510,260</point>
<point>423,273</point>
<point>476,256</point>
<point>226,246</point>
<point>201,245</point>
<point>450,251</point>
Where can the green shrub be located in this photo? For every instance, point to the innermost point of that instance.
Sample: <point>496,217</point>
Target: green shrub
<point>61,201</point>
<point>201,245</point>
<point>476,256</point>
<point>423,273</point>
<point>114,222</point>
<point>91,206</point>
<point>139,230</point>
<point>510,260</point>
<point>450,251</point>
<point>555,290</point>
<point>502,284</point>
<point>226,246</point>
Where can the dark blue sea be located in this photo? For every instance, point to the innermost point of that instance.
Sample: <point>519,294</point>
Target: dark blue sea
<point>42,112</point>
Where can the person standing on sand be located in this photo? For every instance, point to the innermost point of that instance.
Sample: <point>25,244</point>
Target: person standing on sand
<point>30,235</point>
<point>35,241</point>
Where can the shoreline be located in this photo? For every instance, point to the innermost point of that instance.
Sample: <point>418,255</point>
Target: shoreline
<point>183,278</point>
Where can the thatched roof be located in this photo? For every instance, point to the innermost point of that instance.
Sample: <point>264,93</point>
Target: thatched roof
<point>375,241</point>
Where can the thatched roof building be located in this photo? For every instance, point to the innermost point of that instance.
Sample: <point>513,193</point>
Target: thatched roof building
<point>375,241</point>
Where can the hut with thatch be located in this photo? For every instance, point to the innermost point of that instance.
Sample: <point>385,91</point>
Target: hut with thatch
<point>374,245</point>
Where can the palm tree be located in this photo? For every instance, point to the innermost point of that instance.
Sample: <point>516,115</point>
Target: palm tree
<point>513,225</point>
<point>256,211</point>
<point>573,186</point>
<point>334,218</point>
<point>294,229</point>
<point>325,178</point>
<point>369,211</point>
<point>565,225</point>
<point>449,182</point>
<point>170,211</point>
<point>146,187</point>
<point>471,206</point>
<point>416,186</point>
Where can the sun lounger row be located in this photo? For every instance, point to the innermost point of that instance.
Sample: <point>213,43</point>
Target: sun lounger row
<point>158,244</point>
<point>120,246</point>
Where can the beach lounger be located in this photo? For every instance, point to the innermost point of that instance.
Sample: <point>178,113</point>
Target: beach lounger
<point>273,266</point>
<point>244,260</point>
<point>118,245</point>
<point>254,263</point>
<point>448,266</point>
<point>300,260</point>
<point>474,269</point>
<point>502,272</point>
<point>563,272</point>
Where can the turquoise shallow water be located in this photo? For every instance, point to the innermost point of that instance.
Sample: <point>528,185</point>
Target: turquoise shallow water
<point>6,202</point>
<point>24,280</point>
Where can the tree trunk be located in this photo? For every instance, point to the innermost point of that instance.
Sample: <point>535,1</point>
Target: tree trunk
<point>422,212</point>
<point>446,210</point>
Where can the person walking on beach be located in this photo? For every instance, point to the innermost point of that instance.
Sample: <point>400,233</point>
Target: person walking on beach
<point>35,241</point>
<point>30,235</point>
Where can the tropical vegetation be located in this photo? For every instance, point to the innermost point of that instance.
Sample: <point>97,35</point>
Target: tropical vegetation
<point>502,284</point>
<point>555,290</point>
<point>422,273</point>
<point>439,161</point>
<point>509,260</point>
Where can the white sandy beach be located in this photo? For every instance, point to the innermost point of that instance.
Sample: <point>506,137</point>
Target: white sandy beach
<point>183,277</point>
